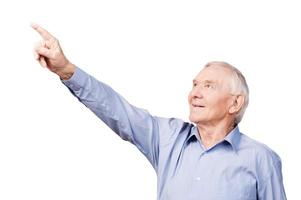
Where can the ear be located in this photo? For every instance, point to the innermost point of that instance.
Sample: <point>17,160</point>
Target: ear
<point>238,101</point>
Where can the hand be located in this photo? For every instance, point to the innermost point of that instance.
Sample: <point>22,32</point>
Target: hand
<point>50,55</point>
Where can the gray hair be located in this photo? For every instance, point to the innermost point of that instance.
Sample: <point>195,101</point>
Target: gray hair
<point>238,86</point>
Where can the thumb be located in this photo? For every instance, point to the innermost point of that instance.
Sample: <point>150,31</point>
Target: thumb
<point>42,61</point>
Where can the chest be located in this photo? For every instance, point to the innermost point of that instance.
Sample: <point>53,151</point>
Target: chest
<point>218,174</point>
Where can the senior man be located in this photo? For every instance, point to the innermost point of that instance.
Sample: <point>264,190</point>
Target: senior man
<point>208,159</point>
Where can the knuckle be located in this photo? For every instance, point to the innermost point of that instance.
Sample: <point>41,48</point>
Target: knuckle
<point>55,54</point>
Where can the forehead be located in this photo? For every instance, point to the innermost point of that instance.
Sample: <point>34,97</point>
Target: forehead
<point>214,73</point>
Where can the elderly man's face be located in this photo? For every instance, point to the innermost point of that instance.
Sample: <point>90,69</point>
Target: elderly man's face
<point>210,98</point>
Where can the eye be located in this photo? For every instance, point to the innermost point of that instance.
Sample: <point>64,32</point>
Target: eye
<point>194,84</point>
<point>208,85</point>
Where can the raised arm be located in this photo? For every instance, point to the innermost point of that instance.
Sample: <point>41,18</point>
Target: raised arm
<point>132,124</point>
<point>129,122</point>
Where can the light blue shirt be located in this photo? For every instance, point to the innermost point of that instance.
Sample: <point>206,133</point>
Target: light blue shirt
<point>237,168</point>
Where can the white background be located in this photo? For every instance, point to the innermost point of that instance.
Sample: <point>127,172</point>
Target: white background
<point>53,147</point>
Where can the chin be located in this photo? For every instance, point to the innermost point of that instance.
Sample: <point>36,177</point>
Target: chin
<point>194,119</point>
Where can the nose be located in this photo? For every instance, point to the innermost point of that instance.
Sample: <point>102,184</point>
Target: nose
<point>197,92</point>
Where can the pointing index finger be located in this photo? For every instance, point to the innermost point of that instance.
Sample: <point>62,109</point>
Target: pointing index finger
<point>44,33</point>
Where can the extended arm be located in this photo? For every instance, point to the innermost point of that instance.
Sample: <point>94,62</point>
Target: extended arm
<point>129,122</point>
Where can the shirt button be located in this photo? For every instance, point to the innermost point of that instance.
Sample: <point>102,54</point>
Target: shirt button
<point>198,178</point>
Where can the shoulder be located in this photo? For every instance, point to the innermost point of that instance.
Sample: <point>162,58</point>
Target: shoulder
<point>258,149</point>
<point>262,159</point>
<point>171,129</point>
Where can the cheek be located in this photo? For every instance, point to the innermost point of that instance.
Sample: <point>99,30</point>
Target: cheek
<point>221,106</point>
<point>189,97</point>
<point>216,103</point>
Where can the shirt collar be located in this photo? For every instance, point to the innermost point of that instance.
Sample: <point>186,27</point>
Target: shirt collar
<point>233,138</point>
<point>193,134</point>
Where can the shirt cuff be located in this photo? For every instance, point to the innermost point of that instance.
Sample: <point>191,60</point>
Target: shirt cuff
<point>77,80</point>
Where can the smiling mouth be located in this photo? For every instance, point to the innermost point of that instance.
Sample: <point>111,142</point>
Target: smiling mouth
<point>197,106</point>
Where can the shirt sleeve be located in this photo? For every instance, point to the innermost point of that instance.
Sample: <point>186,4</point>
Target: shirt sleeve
<point>272,186</point>
<point>132,124</point>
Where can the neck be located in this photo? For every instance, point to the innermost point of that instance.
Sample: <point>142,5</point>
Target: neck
<point>212,133</point>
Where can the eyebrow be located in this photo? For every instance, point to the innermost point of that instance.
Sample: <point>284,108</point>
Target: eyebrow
<point>206,81</point>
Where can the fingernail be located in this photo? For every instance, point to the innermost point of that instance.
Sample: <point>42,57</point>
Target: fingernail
<point>33,25</point>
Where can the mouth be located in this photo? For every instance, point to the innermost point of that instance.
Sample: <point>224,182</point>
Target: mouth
<point>197,106</point>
